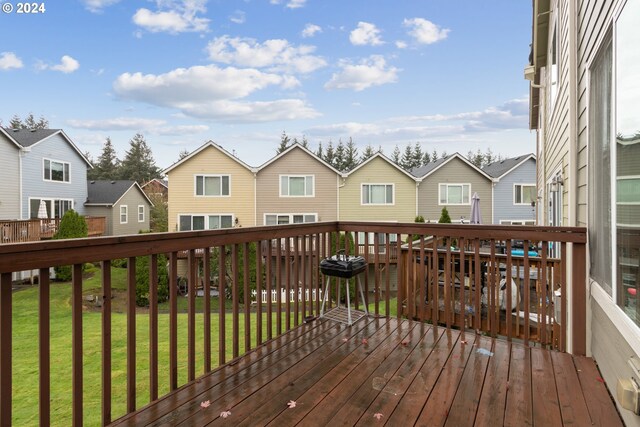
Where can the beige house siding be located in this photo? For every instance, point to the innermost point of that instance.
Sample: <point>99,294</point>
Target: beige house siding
<point>324,202</point>
<point>378,171</point>
<point>211,161</point>
<point>455,171</point>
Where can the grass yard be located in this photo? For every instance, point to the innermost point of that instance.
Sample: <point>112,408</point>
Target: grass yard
<point>25,351</point>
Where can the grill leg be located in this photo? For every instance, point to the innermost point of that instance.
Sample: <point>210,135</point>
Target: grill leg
<point>349,322</point>
<point>324,297</point>
<point>364,301</point>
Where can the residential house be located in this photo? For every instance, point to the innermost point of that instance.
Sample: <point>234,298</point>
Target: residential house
<point>296,186</point>
<point>514,190</point>
<point>156,189</point>
<point>210,188</point>
<point>50,168</point>
<point>451,182</point>
<point>10,154</point>
<point>584,98</point>
<point>123,203</point>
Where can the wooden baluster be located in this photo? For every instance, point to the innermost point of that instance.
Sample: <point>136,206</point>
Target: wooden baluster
<point>278,260</point>
<point>376,264</point>
<point>222,299</point>
<point>247,297</point>
<point>527,294</point>
<point>509,313</point>
<point>400,269</point>
<point>131,333</point>
<point>45,346</point>
<point>173,321</point>
<point>191,315</point>
<point>106,342</point>
<point>542,281</point>
<point>287,266</point>
<point>479,280</point>
<point>463,260</point>
<point>153,328</point>
<point>235,300</point>
<point>422,282</point>
<point>269,259</point>
<point>296,280</point>
<point>259,288</point>
<point>206,268</point>
<point>5,348</point>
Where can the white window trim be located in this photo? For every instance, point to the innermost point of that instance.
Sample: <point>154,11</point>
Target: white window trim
<point>451,184</point>
<point>521,184</point>
<point>205,175</point>
<point>206,219</point>
<point>57,161</point>
<point>126,213</point>
<point>313,187</point>
<point>511,221</point>
<point>290,215</point>
<point>393,193</point>
<point>143,213</point>
<point>53,203</point>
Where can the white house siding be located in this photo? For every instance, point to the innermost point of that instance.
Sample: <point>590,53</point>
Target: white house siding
<point>131,199</point>
<point>324,202</point>
<point>504,208</point>
<point>34,185</point>
<point>454,171</point>
<point>9,177</point>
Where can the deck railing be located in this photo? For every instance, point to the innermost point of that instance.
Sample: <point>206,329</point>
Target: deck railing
<point>33,230</point>
<point>239,261</point>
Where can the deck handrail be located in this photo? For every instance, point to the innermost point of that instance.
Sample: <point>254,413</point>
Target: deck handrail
<point>293,265</point>
<point>33,230</point>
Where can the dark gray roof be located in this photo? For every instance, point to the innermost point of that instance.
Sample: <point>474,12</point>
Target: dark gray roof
<point>423,170</point>
<point>106,192</point>
<point>499,168</point>
<point>28,137</point>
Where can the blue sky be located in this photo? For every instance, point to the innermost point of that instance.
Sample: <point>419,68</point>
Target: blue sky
<point>445,73</point>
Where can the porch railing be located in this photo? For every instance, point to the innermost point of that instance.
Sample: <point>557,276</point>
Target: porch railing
<point>432,276</point>
<point>33,230</point>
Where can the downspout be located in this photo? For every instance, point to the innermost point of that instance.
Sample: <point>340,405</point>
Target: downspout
<point>255,199</point>
<point>418,181</point>
<point>21,154</point>
<point>344,179</point>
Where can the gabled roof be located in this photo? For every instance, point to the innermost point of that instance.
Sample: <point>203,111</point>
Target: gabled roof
<point>294,147</point>
<point>6,133</point>
<point>109,193</point>
<point>30,137</point>
<point>429,168</point>
<point>162,182</point>
<point>502,167</point>
<point>386,159</point>
<point>203,147</point>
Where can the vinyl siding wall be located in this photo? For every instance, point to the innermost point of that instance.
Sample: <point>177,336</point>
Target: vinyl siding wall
<point>10,178</point>
<point>324,203</point>
<point>34,185</point>
<point>378,171</point>
<point>454,172</point>
<point>503,194</point>
<point>182,199</point>
<point>131,199</point>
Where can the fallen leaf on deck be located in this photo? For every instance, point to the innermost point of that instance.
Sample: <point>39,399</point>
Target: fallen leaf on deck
<point>205,404</point>
<point>364,341</point>
<point>405,342</point>
<point>225,414</point>
<point>600,379</point>
<point>345,339</point>
<point>463,341</point>
<point>377,416</point>
<point>291,404</point>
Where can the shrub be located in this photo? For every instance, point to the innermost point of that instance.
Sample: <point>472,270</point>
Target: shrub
<point>72,226</point>
<point>410,238</point>
<point>142,280</point>
<point>444,216</point>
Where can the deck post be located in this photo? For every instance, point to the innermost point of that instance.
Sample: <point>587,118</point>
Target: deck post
<point>579,302</point>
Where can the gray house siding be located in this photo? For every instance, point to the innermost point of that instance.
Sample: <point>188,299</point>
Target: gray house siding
<point>9,176</point>
<point>131,199</point>
<point>34,185</point>
<point>504,208</point>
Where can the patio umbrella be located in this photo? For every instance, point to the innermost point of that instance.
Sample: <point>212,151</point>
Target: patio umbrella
<point>475,209</point>
<point>42,210</point>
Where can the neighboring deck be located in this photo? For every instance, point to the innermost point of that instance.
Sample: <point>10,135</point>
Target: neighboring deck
<point>394,372</point>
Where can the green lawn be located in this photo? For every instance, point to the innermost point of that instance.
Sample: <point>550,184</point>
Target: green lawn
<point>25,352</point>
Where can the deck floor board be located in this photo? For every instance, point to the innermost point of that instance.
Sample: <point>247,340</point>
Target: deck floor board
<point>389,372</point>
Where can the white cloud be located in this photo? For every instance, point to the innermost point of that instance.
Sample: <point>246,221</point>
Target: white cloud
<point>211,92</point>
<point>365,34</point>
<point>425,32</point>
<point>372,71</point>
<point>96,6</point>
<point>67,65</point>
<point>9,60</point>
<point>180,130</point>
<point>173,16</point>
<point>118,123</point>
<point>238,17</point>
<point>401,44</point>
<point>275,54</point>
<point>291,4</point>
<point>311,30</point>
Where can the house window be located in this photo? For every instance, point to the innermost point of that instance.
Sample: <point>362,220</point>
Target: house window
<point>455,194</point>
<point>614,164</point>
<point>140,213</point>
<point>554,66</point>
<point>524,194</point>
<point>517,222</point>
<point>296,186</point>
<point>56,171</point>
<point>283,219</point>
<point>212,185</point>
<point>55,208</point>
<point>377,194</point>
<point>205,222</point>
<point>124,216</point>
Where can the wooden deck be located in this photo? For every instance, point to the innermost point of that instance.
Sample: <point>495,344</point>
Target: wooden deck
<point>393,372</point>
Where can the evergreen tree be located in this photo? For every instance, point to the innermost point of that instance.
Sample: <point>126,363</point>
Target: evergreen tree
<point>476,158</point>
<point>417,155</point>
<point>395,156</point>
<point>443,155</point>
<point>339,157</point>
<point>28,123</point>
<point>350,156</point>
<point>304,142</point>
<point>320,152</point>
<point>444,216</point>
<point>489,157</point>
<point>183,153</point>
<point>329,154</point>
<point>284,143</point>
<point>434,155</point>
<point>367,153</point>
<point>426,158</point>
<point>407,158</point>
<point>16,122</point>
<point>107,165</point>
<point>138,164</point>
